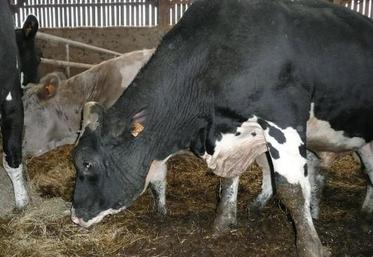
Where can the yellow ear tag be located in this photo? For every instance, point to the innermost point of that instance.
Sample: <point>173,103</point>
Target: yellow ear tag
<point>136,129</point>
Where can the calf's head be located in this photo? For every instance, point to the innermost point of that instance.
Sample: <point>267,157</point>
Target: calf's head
<point>107,180</point>
<point>29,55</point>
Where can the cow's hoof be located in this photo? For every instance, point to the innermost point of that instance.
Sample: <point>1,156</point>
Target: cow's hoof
<point>367,211</point>
<point>312,248</point>
<point>315,213</point>
<point>161,211</point>
<point>365,223</point>
<point>222,225</point>
<point>22,202</point>
<point>254,210</point>
<point>326,251</point>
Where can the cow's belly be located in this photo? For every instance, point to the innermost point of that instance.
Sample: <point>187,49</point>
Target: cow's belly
<point>322,137</point>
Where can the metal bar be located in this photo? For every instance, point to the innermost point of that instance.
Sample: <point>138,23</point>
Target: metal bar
<point>48,37</point>
<point>66,64</point>
<point>67,47</point>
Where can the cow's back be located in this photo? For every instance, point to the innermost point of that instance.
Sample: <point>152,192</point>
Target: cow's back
<point>297,52</point>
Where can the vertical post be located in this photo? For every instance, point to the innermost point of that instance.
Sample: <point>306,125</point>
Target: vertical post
<point>67,47</point>
<point>164,13</point>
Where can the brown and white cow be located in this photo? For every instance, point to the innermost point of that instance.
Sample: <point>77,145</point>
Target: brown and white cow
<point>54,105</point>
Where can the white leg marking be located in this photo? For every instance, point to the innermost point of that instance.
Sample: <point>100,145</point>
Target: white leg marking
<point>22,79</point>
<point>158,183</point>
<point>9,97</point>
<point>366,154</point>
<point>19,185</point>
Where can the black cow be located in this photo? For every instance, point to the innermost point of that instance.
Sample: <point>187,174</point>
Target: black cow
<point>11,101</point>
<point>29,55</point>
<point>302,70</point>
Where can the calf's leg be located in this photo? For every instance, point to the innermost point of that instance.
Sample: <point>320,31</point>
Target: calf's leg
<point>227,207</point>
<point>12,129</point>
<point>366,154</point>
<point>316,180</point>
<point>267,189</point>
<point>288,156</point>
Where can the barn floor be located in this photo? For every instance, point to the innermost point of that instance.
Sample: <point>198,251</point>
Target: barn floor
<point>45,229</point>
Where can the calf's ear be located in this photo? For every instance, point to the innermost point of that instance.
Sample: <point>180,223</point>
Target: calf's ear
<point>93,114</point>
<point>49,88</point>
<point>138,123</point>
<point>30,26</point>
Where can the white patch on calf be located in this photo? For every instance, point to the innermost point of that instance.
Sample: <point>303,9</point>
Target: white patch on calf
<point>19,185</point>
<point>94,220</point>
<point>9,97</point>
<point>233,153</point>
<point>291,162</point>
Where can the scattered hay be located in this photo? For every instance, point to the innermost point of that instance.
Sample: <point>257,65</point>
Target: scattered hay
<point>46,229</point>
<point>53,173</point>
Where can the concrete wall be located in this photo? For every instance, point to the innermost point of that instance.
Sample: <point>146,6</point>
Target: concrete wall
<point>117,39</point>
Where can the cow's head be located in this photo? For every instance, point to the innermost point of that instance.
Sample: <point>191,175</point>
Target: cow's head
<point>29,55</point>
<point>45,125</point>
<point>110,176</point>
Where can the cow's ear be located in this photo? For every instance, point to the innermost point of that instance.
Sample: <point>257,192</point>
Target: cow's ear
<point>93,114</point>
<point>30,27</point>
<point>49,88</point>
<point>138,123</point>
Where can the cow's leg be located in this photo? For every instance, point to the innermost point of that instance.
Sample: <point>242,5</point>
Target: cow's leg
<point>158,184</point>
<point>227,207</point>
<point>366,154</point>
<point>267,189</point>
<point>288,155</point>
<point>316,182</point>
<point>12,129</point>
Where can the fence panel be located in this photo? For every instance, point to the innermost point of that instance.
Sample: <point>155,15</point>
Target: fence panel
<point>177,9</point>
<point>90,13</point>
<point>128,13</point>
<point>364,7</point>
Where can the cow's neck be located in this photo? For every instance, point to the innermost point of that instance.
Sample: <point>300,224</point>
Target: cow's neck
<point>165,95</point>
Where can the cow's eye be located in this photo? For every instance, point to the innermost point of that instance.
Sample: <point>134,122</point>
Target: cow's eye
<point>87,165</point>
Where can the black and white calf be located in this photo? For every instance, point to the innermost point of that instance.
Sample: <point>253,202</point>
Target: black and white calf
<point>284,65</point>
<point>11,103</point>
